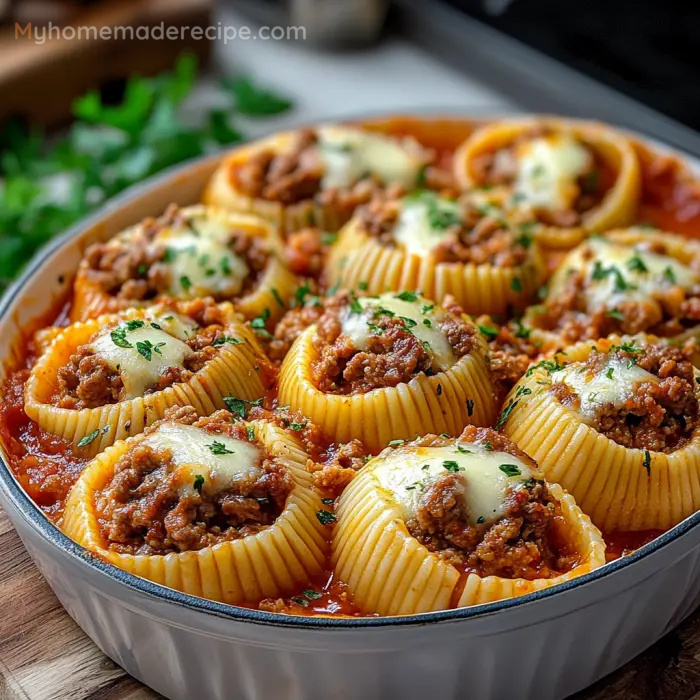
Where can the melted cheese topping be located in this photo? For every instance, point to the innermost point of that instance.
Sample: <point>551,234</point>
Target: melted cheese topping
<point>179,326</point>
<point>613,384</point>
<point>200,261</point>
<point>485,476</point>
<point>618,273</point>
<point>547,170</point>
<point>424,222</point>
<point>220,460</point>
<point>136,371</point>
<point>421,316</point>
<point>348,155</point>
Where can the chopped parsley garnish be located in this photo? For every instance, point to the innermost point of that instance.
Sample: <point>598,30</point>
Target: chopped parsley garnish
<point>301,601</point>
<point>329,238</point>
<point>550,366</point>
<point>626,347</point>
<point>239,407</point>
<point>451,466</point>
<point>225,265</point>
<point>277,296</point>
<point>647,461</point>
<point>301,293</point>
<point>219,448</point>
<point>506,413</point>
<point>395,443</point>
<point>362,286</point>
<point>118,336</point>
<point>427,323</point>
<point>311,594</point>
<point>223,339</point>
<point>470,407</point>
<point>488,446</point>
<point>170,255</point>
<point>480,520</point>
<point>407,296</point>
<point>463,450</point>
<point>609,373</point>
<point>601,273</point>
<point>522,331</point>
<point>258,324</point>
<point>439,389</point>
<point>510,469</point>
<point>145,348</point>
<point>90,437</point>
<point>297,427</point>
<point>198,483</point>
<point>251,433</point>
<point>355,306</point>
<point>156,326</point>
<point>134,324</point>
<point>523,391</point>
<point>614,313</point>
<point>186,283</point>
<point>328,501</point>
<point>142,270</point>
<point>670,275</point>
<point>427,308</point>
<point>636,264</point>
<point>408,322</point>
<point>325,517</point>
<point>516,285</point>
<point>489,331</point>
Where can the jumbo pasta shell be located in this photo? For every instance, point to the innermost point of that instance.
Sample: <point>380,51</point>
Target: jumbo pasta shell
<point>236,371</point>
<point>619,205</point>
<point>271,563</point>
<point>620,488</point>
<point>437,404</point>
<point>391,573</point>
<point>91,300</point>
<point>359,261</point>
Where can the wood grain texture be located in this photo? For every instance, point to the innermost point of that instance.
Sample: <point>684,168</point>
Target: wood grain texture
<point>44,655</point>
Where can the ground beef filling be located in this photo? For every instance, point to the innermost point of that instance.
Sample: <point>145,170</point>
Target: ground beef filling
<point>670,312</point>
<point>496,168</point>
<point>393,354</point>
<point>659,416</point>
<point>483,236</point>
<point>137,269</point>
<point>522,544</point>
<point>88,381</point>
<point>143,511</point>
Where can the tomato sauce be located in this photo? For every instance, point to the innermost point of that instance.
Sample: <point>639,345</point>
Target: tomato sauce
<point>47,470</point>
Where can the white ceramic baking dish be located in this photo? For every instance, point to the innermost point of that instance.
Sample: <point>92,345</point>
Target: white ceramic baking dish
<point>545,645</point>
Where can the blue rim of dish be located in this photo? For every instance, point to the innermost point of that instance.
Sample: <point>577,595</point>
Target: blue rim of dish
<point>35,517</point>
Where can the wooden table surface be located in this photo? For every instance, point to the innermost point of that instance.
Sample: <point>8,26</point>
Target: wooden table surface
<point>45,656</point>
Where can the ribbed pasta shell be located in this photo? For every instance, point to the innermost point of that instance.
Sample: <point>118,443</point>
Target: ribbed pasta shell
<point>676,246</point>
<point>358,260</point>
<point>608,481</point>
<point>619,205</point>
<point>231,373</point>
<point>271,563</point>
<point>389,572</point>
<point>393,413</point>
<point>91,301</point>
<point>221,191</point>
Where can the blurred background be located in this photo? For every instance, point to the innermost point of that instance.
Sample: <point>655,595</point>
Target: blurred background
<point>96,95</point>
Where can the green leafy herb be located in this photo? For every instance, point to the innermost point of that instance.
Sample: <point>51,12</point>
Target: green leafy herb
<point>311,594</point>
<point>185,283</point>
<point>451,465</point>
<point>510,469</point>
<point>277,296</point>
<point>395,443</point>
<point>90,437</point>
<point>614,313</point>
<point>253,100</point>
<point>118,336</point>
<point>297,427</point>
<point>301,601</point>
<point>251,433</point>
<point>145,349</point>
<point>550,366</point>
<point>670,275</point>
<point>198,483</point>
<point>647,461</point>
<point>480,520</point>
<point>219,448</point>
<point>325,517</point>
<point>609,373</point>
<point>439,390</point>
<point>506,413</point>
<point>407,296</point>
<point>488,446</point>
<point>427,323</point>
<point>636,264</point>
<point>516,285</point>
<point>328,501</point>
<point>133,325</point>
<point>239,407</point>
<point>258,324</point>
<point>329,238</point>
<point>355,306</point>
<point>223,339</point>
<point>427,308</point>
<point>362,286</point>
<point>522,331</point>
<point>489,331</point>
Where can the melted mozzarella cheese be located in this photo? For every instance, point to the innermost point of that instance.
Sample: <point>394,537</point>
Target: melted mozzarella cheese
<point>421,223</point>
<point>348,155</point>
<point>613,384</point>
<point>136,371</point>
<point>618,273</point>
<point>200,261</point>
<point>407,472</point>
<point>179,326</point>
<point>547,170</point>
<point>423,325</point>
<point>220,460</point>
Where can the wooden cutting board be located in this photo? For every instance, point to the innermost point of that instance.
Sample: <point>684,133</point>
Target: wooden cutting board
<point>44,655</point>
